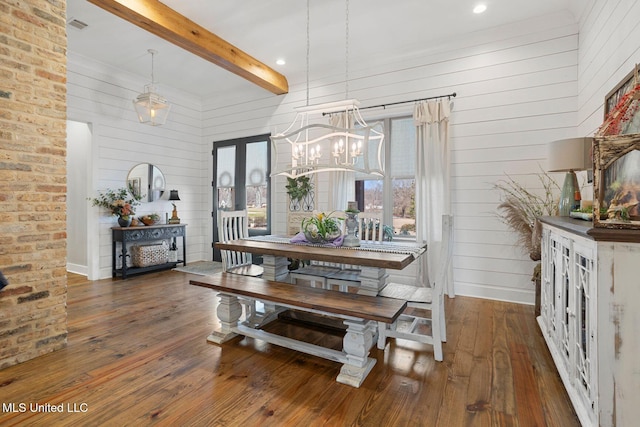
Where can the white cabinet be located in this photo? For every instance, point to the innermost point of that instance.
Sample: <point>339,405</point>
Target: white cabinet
<point>567,308</point>
<point>585,310</point>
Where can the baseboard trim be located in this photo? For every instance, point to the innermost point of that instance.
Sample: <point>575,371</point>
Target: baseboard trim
<point>518,296</point>
<point>78,269</point>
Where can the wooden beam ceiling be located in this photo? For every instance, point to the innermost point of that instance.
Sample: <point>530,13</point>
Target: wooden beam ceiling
<point>164,22</point>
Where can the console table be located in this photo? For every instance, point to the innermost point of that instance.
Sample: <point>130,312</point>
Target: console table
<point>128,235</point>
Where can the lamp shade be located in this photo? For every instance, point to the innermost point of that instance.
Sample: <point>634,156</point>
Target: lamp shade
<point>569,154</point>
<point>152,109</point>
<point>173,195</point>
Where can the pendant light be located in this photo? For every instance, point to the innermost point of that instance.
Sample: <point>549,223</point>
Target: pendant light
<point>350,144</point>
<point>151,107</point>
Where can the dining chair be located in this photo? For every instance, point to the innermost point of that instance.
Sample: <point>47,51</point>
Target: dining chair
<point>370,229</point>
<point>233,225</point>
<point>410,325</point>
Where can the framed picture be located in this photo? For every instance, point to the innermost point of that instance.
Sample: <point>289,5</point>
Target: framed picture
<point>613,97</point>
<point>617,182</point>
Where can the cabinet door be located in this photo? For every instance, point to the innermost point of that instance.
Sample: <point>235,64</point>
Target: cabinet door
<point>547,285</point>
<point>583,323</point>
<point>562,269</point>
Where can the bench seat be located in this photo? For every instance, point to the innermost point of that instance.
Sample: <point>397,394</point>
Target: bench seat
<point>360,313</point>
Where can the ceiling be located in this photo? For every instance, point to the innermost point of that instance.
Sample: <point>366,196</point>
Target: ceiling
<point>268,30</point>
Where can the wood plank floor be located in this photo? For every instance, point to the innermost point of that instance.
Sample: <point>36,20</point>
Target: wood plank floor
<point>137,355</point>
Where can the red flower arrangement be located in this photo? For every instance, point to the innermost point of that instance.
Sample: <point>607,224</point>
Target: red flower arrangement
<point>622,113</point>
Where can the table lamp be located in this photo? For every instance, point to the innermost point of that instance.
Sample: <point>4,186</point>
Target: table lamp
<point>173,195</point>
<point>569,155</point>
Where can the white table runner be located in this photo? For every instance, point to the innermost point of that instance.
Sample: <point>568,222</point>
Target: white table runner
<point>386,247</point>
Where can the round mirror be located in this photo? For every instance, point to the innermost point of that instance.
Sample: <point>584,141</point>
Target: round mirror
<point>146,181</point>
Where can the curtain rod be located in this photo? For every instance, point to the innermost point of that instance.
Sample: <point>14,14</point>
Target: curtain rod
<point>451,95</point>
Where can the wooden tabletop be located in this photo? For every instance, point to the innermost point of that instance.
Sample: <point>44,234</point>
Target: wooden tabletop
<point>354,256</point>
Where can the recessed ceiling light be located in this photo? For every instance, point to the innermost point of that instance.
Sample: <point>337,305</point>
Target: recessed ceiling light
<point>480,8</point>
<point>280,61</point>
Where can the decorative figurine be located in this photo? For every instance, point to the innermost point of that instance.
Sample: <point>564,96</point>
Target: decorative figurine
<point>351,238</point>
<point>174,215</point>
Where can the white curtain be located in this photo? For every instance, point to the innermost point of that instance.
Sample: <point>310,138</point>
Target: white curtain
<point>343,182</point>
<point>433,189</point>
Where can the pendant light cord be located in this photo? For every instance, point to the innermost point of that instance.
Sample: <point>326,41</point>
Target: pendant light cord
<point>308,49</point>
<point>152,52</point>
<point>346,54</point>
<point>346,59</point>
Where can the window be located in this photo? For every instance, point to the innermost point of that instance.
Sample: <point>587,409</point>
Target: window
<point>241,169</point>
<point>394,194</point>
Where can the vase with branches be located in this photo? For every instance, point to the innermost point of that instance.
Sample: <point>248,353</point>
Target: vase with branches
<point>520,209</point>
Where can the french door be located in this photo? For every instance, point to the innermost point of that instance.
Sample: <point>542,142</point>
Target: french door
<point>241,169</point>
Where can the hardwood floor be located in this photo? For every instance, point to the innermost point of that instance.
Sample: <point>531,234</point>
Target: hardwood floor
<point>137,355</point>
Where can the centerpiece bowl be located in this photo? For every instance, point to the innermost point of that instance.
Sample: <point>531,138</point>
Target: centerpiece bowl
<point>321,228</point>
<point>317,238</point>
<point>149,219</point>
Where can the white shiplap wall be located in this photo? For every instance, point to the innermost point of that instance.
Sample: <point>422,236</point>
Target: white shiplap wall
<point>609,49</point>
<point>517,88</point>
<point>102,97</point>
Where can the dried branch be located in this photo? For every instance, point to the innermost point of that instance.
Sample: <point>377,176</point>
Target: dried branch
<point>520,209</point>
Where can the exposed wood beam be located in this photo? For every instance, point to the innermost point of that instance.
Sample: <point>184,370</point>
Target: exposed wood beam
<point>164,22</point>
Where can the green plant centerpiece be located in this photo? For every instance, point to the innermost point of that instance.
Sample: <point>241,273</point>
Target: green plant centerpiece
<point>321,228</point>
<point>120,202</point>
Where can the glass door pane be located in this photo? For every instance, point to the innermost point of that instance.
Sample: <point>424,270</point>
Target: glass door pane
<point>257,165</point>
<point>225,180</point>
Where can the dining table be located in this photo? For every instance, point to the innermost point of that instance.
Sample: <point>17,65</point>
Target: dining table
<point>372,258</point>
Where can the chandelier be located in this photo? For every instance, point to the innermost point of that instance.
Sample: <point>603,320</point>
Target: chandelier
<point>152,108</point>
<point>346,143</point>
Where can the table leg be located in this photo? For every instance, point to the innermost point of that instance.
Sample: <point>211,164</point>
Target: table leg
<point>229,312</point>
<point>372,280</point>
<point>275,268</point>
<point>124,259</point>
<point>114,261</point>
<point>357,342</point>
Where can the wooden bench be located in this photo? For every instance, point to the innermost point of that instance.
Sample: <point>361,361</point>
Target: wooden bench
<point>360,313</point>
